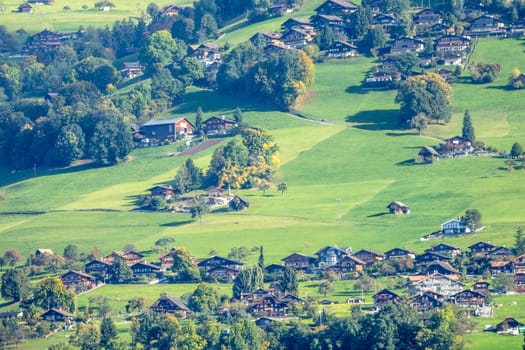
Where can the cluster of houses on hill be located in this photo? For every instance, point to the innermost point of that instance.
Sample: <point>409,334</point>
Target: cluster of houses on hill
<point>169,130</point>
<point>456,146</point>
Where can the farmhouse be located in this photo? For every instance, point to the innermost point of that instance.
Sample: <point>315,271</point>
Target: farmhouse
<point>467,298</point>
<point>457,145</point>
<point>98,267</point>
<point>369,256</point>
<point>331,255</point>
<point>501,253</point>
<point>455,227</point>
<point>208,54</point>
<point>298,261</point>
<point>341,49</point>
<point>238,203</point>
<point>214,192</point>
<point>385,297</point>
<point>222,273</point>
<point>386,21</point>
<point>265,39</point>
<point>428,17</point>
<point>268,305</point>
<point>427,155</point>
<point>349,264</point>
<point>452,43</point>
<point>406,44</point>
<point>497,267</point>
<point>486,25</point>
<point>507,324</point>
<point>57,315</point>
<point>442,267</point>
<point>400,253</point>
<point>217,261</point>
<point>169,129</point>
<point>162,191</point>
<point>131,70</point>
<point>426,302</point>
<point>219,126</point>
<point>74,279</point>
<point>445,249</point>
<point>481,286</point>
<point>169,10</point>
<point>297,38</point>
<point>45,40</point>
<point>335,23</point>
<point>171,305</point>
<point>452,60</point>
<point>275,269</point>
<point>336,8</point>
<point>429,257</point>
<point>481,248</point>
<point>303,23</point>
<point>25,8</point>
<point>397,207</point>
<point>144,269</point>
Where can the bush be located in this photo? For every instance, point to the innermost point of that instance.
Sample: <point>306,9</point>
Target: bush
<point>484,72</point>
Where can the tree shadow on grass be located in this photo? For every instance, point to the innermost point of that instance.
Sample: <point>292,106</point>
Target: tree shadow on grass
<point>406,133</point>
<point>377,215</point>
<point>375,120</point>
<point>408,162</point>
<point>502,87</point>
<point>177,223</point>
<point>356,89</point>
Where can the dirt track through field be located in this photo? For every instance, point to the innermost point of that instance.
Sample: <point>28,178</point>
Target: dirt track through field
<point>200,147</point>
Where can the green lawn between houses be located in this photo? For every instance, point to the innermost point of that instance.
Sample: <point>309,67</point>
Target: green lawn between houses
<point>359,161</point>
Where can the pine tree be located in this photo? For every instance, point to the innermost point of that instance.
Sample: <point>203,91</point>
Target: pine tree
<point>468,128</point>
<point>260,262</point>
<point>237,116</point>
<point>519,245</point>
<point>198,119</point>
<point>108,331</point>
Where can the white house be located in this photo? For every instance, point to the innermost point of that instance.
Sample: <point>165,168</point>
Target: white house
<point>455,227</point>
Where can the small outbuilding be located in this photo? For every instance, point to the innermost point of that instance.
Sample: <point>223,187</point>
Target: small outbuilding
<point>397,207</point>
<point>427,155</point>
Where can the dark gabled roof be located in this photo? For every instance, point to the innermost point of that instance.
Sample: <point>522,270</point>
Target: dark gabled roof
<point>444,265</point>
<point>407,251</point>
<point>344,43</point>
<point>468,291</point>
<point>155,267</point>
<point>443,245</point>
<point>330,17</point>
<point>80,273</point>
<point>97,261</point>
<point>300,254</point>
<point>386,291</point>
<point>173,301</point>
<point>342,3</point>
<point>300,21</point>
<point>369,251</point>
<point>222,117</point>
<point>166,121</point>
<point>353,258</point>
<point>58,311</point>
<point>397,204</point>
<point>275,267</point>
<point>226,261</point>
<point>480,243</point>
<point>342,250</point>
<point>430,150</point>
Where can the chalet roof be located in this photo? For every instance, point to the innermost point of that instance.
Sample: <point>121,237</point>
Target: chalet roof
<point>173,301</point>
<point>300,254</point>
<point>443,245</point>
<point>409,39</point>
<point>136,64</point>
<point>292,298</point>
<point>482,17</point>
<point>496,264</point>
<point>80,273</point>
<point>428,10</point>
<point>419,278</point>
<point>347,44</point>
<point>341,250</point>
<point>430,150</point>
<point>480,243</point>
<point>58,311</point>
<point>452,36</point>
<point>297,30</point>
<point>221,117</point>
<point>407,251</point>
<point>140,263</point>
<point>468,291</point>
<point>165,254</point>
<point>210,46</point>
<point>214,189</point>
<point>481,281</point>
<point>342,3</point>
<point>225,261</point>
<point>511,321</point>
<point>300,21</point>
<point>452,220</point>
<point>434,254</point>
<point>329,17</point>
<point>386,291</point>
<point>242,200</point>
<point>97,261</point>
<point>162,187</point>
<point>444,265</point>
<point>166,121</point>
<point>397,204</point>
<point>369,251</point>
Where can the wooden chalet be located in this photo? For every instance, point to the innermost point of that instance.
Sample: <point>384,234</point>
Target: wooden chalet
<point>397,207</point>
<point>349,264</point>
<point>167,129</point>
<point>276,48</point>
<point>406,45</point>
<point>400,253</point>
<point>131,70</point>
<point>25,8</point>
<point>501,266</point>
<point>208,54</point>
<point>386,21</point>
<point>385,297</point>
<point>519,281</point>
<point>219,126</point>
<point>481,286</point>
<point>238,203</point>
<point>444,73</point>
<point>517,28</point>
<point>437,283</point>
<point>425,302</point>
<point>428,17</point>
<point>75,279</point>
<point>508,324</point>
<point>268,305</point>
<point>441,267</point>
<point>335,23</point>
<point>389,63</point>
<point>485,26</point>
<point>56,315</point>
<point>98,268</point>
<point>429,257</point>
<point>331,255</point>
<point>297,38</point>
<point>263,39</point>
<point>427,155</point>
<point>131,257</point>
<point>457,145</point>
<point>299,261</point>
<point>481,248</point>
<point>455,227</point>
<point>519,262</point>
<point>45,40</point>
<point>293,299</point>
<point>303,23</point>
<point>501,253</point>
<point>341,48</point>
<point>144,269</point>
<point>167,258</point>
<point>265,321</point>
<point>336,8</point>
<point>222,273</point>
<point>214,192</point>
<point>379,80</point>
<point>169,10</point>
<point>369,256</point>
<point>171,305</point>
<point>445,249</point>
<point>217,261</point>
<point>162,191</point>
<point>467,298</point>
<point>452,43</point>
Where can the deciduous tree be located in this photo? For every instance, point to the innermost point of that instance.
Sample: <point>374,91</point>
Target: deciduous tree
<point>16,285</point>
